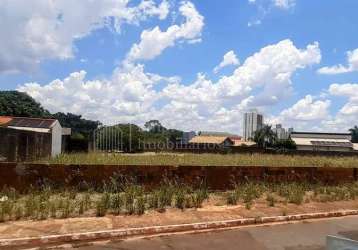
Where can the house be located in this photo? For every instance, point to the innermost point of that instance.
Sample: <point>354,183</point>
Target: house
<point>23,138</point>
<point>208,141</point>
<point>312,141</point>
<point>236,139</point>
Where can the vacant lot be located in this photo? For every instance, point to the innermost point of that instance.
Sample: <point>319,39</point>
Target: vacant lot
<point>272,160</point>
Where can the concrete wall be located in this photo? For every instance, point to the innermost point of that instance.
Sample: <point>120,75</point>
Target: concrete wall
<point>56,141</point>
<point>21,176</point>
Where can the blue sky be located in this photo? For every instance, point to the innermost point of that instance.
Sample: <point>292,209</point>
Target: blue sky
<point>294,60</point>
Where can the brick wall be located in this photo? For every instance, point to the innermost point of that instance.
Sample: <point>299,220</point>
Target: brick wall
<point>21,176</point>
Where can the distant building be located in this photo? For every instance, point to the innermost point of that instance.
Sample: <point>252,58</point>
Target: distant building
<point>215,133</point>
<point>281,132</point>
<point>253,121</point>
<point>203,141</point>
<point>187,136</point>
<point>23,138</point>
<point>311,141</point>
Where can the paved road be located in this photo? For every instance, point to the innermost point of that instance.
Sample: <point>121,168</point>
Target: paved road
<point>298,236</point>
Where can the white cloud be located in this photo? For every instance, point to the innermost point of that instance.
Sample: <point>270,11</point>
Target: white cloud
<point>131,95</point>
<point>265,7</point>
<point>284,4</point>
<point>349,90</point>
<point>307,109</point>
<point>154,41</point>
<point>229,58</point>
<point>43,29</point>
<point>352,59</point>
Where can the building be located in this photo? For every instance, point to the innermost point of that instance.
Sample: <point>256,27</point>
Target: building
<point>253,121</point>
<point>236,139</point>
<point>23,138</point>
<point>215,133</point>
<point>311,141</point>
<point>211,142</point>
<point>281,132</point>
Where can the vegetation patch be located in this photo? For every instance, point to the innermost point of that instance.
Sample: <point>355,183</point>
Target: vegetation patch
<point>269,160</point>
<point>123,197</point>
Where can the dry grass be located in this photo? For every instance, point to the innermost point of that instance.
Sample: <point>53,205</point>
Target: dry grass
<point>276,160</point>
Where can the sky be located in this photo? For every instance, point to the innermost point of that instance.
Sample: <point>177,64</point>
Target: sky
<point>193,65</point>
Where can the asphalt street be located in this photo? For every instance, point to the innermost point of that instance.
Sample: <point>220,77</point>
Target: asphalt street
<point>307,235</point>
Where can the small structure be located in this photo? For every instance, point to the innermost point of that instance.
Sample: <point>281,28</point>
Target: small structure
<point>23,138</point>
<point>236,139</point>
<point>203,141</point>
<point>329,142</point>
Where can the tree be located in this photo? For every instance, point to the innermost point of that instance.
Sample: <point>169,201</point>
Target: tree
<point>354,133</point>
<point>285,144</point>
<point>14,103</point>
<point>154,126</point>
<point>79,125</point>
<point>265,137</point>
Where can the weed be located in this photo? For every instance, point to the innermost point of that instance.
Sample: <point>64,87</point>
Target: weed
<point>199,196</point>
<point>2,214</point>
<point>152,200</point>
<point>233,196</point>
<point>86,201</point>
<point>81,207</point>
<point>66,208</point>
<point>270,200</point>
<point>100,208</point>
<point>140,205</point>
<point>52,209</point>
<point>284,212</point>
<point>248,205</point>
<point>116,203</point>
<point>180,199</point>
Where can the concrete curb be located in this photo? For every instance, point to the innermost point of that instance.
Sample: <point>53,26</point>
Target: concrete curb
<point>156,230</point>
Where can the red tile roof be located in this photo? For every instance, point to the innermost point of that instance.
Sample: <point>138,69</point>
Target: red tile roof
<point>26,122</point>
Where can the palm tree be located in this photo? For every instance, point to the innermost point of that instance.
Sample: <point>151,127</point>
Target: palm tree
<point>354,133</point>
<point>265,137</point>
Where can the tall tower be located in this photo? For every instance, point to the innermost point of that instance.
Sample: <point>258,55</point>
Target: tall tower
<point>252,121</point>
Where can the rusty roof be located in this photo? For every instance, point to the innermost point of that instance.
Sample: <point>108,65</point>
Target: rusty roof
<point>4,120</point>
<point>26,122</point>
